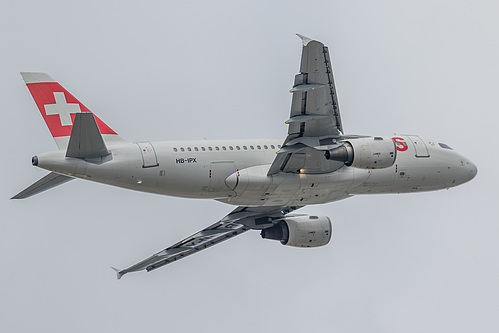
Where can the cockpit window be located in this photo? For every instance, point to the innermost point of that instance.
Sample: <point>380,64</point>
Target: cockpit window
<point>443,145</point>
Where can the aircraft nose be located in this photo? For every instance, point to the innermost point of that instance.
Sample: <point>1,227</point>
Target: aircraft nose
<point>473,170</point>
<point>468,170</point>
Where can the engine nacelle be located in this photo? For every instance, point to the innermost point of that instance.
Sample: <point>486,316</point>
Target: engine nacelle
<point>365,153</point>
<point>301,231</point>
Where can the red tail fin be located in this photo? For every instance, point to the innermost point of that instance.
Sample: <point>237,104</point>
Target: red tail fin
<point>58,107</point>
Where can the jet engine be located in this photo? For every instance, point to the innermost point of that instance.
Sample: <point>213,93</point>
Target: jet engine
<point>365,153</point>
<point>301,231</point>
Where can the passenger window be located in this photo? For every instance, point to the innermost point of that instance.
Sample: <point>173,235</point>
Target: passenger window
<point>196,149</point>
<point>182,149</point>
<point>210,149</point>
<point>279,146</point>
<point>223,148</point>
<point>238,148</point>
<point>272,146</point>
<point>175,149</point>
<point>189,148</point>
<point>203,148</point>
<point>216,148</point>
<point>245,148</point>
<point>231,148</point>
<point>251,147</point>
<point>258,147</point>
<point>265,146</point>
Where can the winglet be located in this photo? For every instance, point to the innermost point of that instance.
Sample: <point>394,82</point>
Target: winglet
<point>118,272</point>
<point>305,40</point>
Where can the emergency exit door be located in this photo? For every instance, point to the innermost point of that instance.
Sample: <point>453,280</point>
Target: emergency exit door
<point>419,146</point>
<point>149,158</point>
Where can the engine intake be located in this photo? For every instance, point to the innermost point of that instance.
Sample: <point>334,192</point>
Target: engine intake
<point>301,231</point>
<point>365,153</point>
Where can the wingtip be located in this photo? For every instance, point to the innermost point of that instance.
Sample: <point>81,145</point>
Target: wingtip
<point>304,39</point>
<point>119,274</point>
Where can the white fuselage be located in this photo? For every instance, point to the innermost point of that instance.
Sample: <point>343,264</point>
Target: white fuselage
<point>235,172</point>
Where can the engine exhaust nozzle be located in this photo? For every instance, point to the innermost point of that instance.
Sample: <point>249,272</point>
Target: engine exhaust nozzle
<point>343,153</point>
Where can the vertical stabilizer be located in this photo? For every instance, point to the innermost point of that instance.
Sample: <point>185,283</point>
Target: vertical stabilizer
<point>59,108</point>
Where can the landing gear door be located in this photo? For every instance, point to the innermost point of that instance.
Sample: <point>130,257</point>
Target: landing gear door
<point>149,158</point>
<point>419,146</point>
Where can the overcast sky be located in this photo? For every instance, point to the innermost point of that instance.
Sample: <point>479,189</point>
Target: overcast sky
<point>223,69</point>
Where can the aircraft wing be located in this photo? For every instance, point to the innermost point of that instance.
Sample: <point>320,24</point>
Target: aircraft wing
<point>238,221</point>
<point>315,122</point>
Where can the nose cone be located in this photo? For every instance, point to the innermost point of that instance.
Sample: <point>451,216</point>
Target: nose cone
<point>472,170</point>
<point>466,171</point>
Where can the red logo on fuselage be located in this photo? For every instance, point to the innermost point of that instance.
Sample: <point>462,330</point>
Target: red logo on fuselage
<point>400,144</point>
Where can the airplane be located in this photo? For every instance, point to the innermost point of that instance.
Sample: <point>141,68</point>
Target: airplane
<point>267,179</point>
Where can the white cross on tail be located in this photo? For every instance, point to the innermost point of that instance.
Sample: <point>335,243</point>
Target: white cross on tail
<point>62,108</point>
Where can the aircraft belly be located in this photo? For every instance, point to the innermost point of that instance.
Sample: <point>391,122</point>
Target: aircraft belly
<point>290,189</point>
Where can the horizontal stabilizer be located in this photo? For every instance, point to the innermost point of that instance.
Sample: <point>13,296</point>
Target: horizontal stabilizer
<point>86,140</point>
<point>119,274</point>
<point>46,183</point>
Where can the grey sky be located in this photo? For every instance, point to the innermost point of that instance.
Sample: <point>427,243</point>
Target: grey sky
<point>220,69</point>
